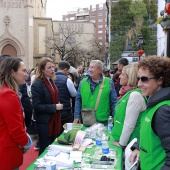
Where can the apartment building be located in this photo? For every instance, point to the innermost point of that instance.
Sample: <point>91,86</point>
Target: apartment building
<point>96,14</point>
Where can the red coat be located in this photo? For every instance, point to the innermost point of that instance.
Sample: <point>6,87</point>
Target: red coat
<point>12,130</point>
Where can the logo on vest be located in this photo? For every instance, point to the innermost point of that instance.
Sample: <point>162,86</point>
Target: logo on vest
<point>147,119</point>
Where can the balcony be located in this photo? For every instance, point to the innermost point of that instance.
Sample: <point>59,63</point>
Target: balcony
<point>82,13</point>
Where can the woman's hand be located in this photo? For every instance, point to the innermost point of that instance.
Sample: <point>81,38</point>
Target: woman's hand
<point>59,106</point>
<point>134,156</point>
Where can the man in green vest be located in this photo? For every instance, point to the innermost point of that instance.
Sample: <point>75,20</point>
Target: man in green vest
<point>88,92</point>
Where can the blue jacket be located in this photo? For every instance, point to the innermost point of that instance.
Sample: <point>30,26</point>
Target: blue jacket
<point>64,95</point>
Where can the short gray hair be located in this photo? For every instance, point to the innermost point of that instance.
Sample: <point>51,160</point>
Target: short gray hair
<point>98,62</point>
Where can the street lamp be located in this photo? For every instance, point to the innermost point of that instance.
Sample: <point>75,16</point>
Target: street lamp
<point>140,40</point>
<point>88,59</point>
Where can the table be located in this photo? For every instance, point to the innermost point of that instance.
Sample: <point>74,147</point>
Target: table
<point>119,151</point>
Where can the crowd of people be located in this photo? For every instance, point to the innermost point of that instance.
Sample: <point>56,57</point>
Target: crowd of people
<point>137,96</point>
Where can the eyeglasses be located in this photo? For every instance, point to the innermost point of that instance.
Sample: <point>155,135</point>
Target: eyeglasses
<point>145,79</point>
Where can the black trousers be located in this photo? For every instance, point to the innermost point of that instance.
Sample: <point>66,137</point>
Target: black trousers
<point>44,139</point>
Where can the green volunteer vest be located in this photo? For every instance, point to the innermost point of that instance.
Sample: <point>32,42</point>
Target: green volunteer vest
<point>89,99</point>
<point>152,155</point>
<point>120,113</point>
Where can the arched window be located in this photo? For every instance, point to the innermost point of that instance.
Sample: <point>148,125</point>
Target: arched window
<point>9,50</point>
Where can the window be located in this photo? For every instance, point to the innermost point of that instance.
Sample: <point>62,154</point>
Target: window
<point>100,32</point>
<point>100,43</point>
<point>100,37</point>
<point>100,26</point>
<point>93,15</point>
<point>72,18</point>
<point>93,21</point>
<point>100,14</point>
<point>100,20</point>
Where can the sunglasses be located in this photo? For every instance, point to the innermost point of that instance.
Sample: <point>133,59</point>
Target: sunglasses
<point>145,79</point>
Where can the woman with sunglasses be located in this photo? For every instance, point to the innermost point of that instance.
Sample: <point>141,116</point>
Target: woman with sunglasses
<point>128,108</point>
<point>154,145</point>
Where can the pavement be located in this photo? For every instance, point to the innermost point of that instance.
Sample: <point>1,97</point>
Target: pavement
<point>33,137</point>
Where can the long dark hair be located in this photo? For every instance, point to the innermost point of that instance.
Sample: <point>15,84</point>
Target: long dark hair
<point>6,66</point>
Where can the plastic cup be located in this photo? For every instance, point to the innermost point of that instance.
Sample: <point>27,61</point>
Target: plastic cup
<point>51,166</point>
<point>69,126</point>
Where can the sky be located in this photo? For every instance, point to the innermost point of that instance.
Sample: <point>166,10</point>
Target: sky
<point>57,8</point>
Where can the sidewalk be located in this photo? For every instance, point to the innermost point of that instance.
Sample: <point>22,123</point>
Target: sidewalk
<point>31,155</point>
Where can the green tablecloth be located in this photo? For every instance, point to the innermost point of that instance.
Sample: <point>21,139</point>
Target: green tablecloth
<point>117,149</point>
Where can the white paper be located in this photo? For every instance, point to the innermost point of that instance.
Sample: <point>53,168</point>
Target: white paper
<point>86,142</point>
<point>61,148</point>
<point>76,156</point>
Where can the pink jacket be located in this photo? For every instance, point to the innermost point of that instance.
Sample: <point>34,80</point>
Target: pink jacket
<point>12,130</point>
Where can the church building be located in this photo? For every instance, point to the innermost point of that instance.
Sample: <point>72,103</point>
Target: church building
<point>24,28</point>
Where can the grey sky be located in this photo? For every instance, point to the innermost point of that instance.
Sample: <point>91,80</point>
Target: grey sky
<point>57,8</point>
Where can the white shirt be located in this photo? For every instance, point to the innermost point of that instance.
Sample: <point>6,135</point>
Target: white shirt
<point>136,104</point>
<point>71,88</point>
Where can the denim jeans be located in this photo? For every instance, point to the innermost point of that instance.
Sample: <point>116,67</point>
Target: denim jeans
<point>44,139</point>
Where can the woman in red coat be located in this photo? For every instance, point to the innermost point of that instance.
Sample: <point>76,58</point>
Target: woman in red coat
<point>13,137</point>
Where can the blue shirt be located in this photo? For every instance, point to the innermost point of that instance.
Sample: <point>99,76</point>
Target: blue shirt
<point>78,102</point>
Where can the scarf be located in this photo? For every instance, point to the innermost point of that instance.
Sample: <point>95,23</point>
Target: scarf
<point>54,125</point>
<point>117,82</point>
<point>123,91</point>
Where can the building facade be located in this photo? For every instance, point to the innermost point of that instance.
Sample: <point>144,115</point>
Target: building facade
<point>75,38</point>
<point>96,14</point>
<point>17,27</point>
<point>24,28</point>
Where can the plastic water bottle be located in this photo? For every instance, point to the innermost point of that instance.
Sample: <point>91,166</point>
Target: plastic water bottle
<point>105,147</point>
<point>99,137</point>
<point>110,124</point>
<point>98,148</point>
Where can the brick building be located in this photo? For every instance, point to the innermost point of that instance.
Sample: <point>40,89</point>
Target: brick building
<point>96,14</point>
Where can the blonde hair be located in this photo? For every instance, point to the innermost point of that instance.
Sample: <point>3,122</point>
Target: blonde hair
<point>41,66</point>
<point>131,71</point>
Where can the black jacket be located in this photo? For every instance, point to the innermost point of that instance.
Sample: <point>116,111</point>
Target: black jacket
<point>26,104</point>
<point>42,102</point>
<point>161,122</point>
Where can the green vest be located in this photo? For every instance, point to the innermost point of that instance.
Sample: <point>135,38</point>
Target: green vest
<point>89,99</point>
<point>119,118</point>
<point>152,155</point>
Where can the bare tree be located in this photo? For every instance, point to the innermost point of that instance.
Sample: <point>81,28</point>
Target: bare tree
<point>97,50</point>
<point>65,42</point>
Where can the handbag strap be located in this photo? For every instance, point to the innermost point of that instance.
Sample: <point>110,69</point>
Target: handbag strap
<point>99,94</point>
